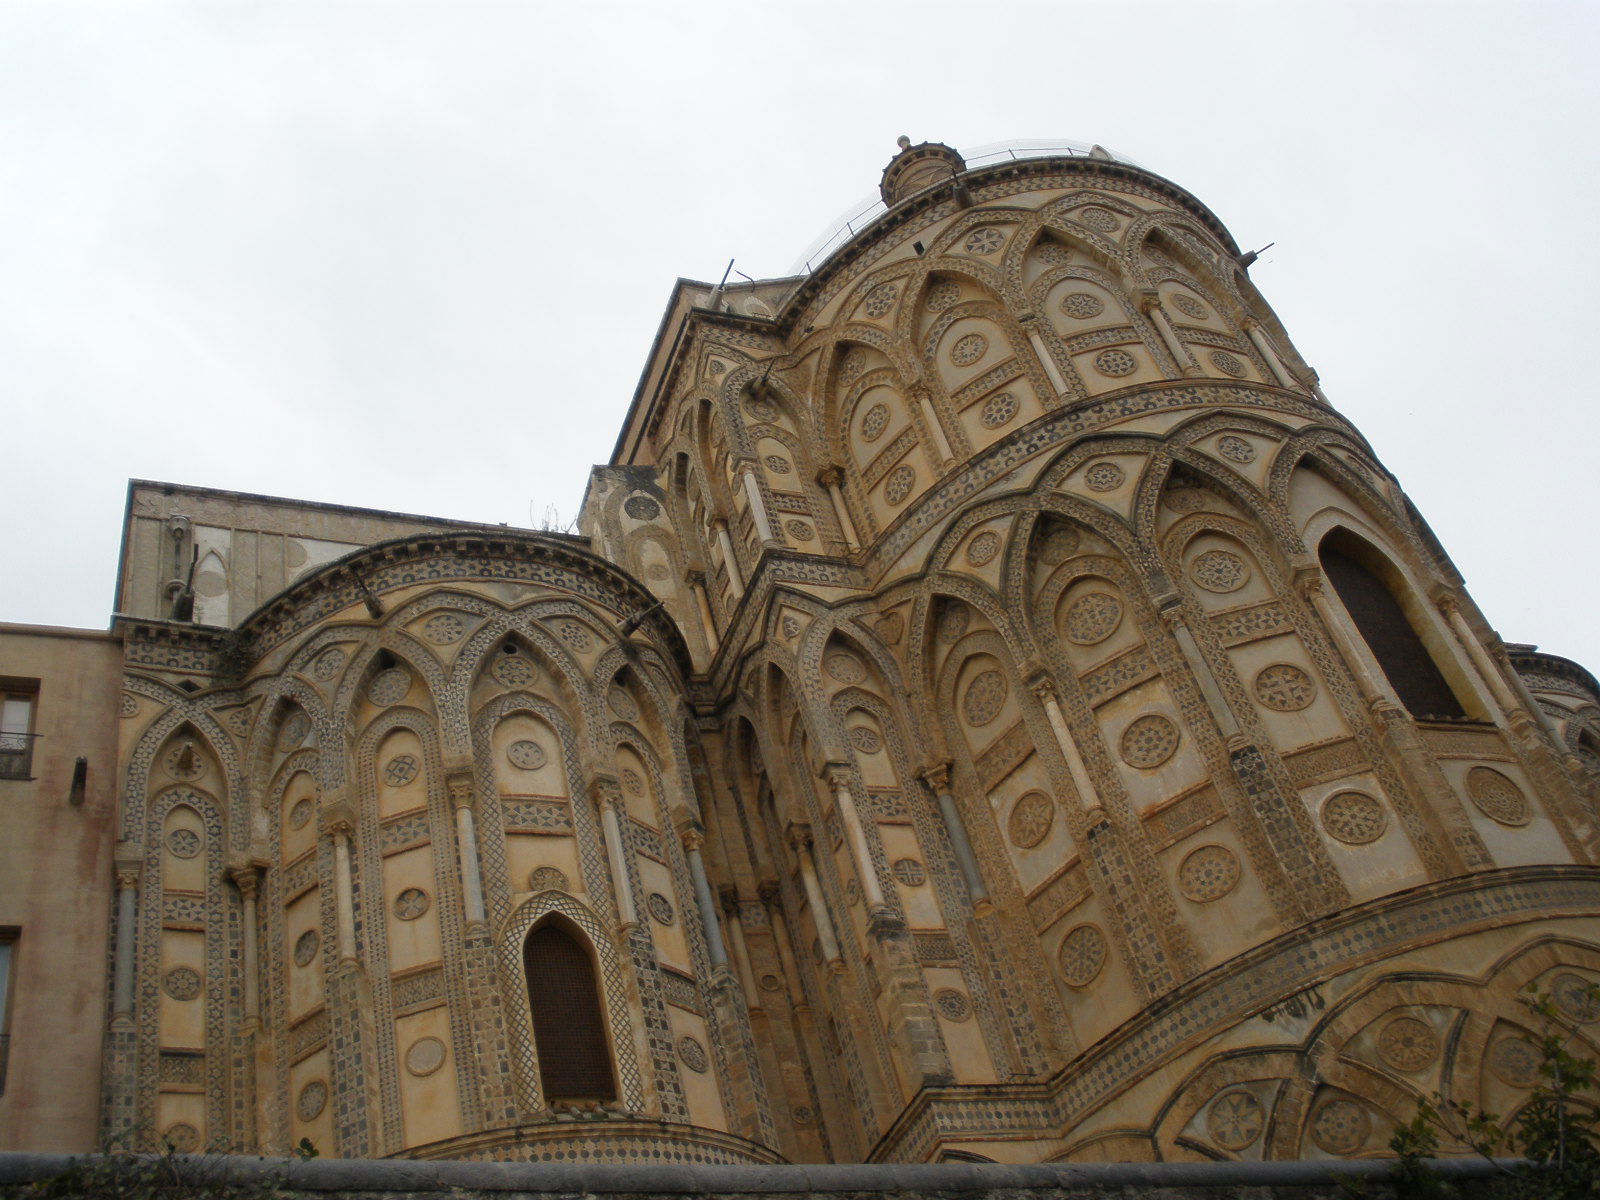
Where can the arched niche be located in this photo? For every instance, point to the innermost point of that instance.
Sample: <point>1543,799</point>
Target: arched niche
<point>569,1025</point>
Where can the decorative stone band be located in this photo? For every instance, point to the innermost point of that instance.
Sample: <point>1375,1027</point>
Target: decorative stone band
<point>1356,937</point>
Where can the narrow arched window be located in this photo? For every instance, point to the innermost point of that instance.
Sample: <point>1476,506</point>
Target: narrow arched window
<point>1390,636</point>
<point>569,1029</point>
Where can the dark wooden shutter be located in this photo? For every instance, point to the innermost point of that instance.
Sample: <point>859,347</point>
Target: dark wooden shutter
<point>1405,660</point>
<point>568,1026</point>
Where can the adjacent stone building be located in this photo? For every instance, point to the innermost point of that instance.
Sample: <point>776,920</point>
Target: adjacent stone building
<point>996,709</point>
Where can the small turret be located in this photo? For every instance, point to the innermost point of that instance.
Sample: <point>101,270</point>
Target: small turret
<point>918,167</point>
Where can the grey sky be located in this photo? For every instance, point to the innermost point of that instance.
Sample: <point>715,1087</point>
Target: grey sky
<point>411,256</point>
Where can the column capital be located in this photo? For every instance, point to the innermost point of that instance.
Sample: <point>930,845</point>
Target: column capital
<point>692,837</point>
<point>339,820</point>
<point>719,524</point>
<point>830,476</point>
<point>936,775</point>
<point>1149,299</point>
<point>459,783</point>
<point>837,773</point>
<point>604,789</point>
<point>799,834</point>
<point>1170,606</point>
<point>695,578</point>
<point>729,896</point>
<point>770,892</point>
<point>1039,681</point>
<point>1306,576</point>
<point>1445,599</point>
<point>128,871</point>
<point>246,876</point>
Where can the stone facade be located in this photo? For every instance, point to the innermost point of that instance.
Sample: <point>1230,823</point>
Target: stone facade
<point>996,709</point>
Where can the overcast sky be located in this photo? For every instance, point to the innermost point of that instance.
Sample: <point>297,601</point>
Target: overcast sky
<point>411,256</point>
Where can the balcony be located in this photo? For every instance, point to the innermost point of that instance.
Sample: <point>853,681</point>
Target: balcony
<point>16,755</point>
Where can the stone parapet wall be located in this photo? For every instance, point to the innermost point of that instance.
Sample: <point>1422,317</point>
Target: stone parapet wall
<point>361,1179</point>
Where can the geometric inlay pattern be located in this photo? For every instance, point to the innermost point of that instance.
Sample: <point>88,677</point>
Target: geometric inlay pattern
<point>526,755</point>
<point>305,948</point>
<point>899,484</point>
<point>1497,797</point>
<point>875,422</point>
<point>1341,1127</point>
<point>1208,873</point>
<point>1188,306</point>
<point>952,1004</point>
<point>1235,1120</point>
<point>881,299</point>
<point>444,629</point>
<point>400,770</point>
<point>1097,218</point>
<point>660,909</point>
<point>693,1054</point>
<point>1082,305</point>
<point>388,687</point>
<point>1354,818</point>
<point>181,983</point>
<point>1227,364</point>
<point>846,668</point>
<point>1408,1044</point>
<point>969,349</point>
<point>1283,687</point>
<point>313,1099</point>
<point>984,241</point>
<point>1219,571</point>
<point>982,549</point>
<point>984,697</point>
<point>1093,618</point>
<point>1104,477</point>
<point>1575,997</point>
<point>411,904</point>
<point>1031,818</point>
<point>184,843</point>
<point>998,410</point>
<point>548,879</point>
<point>1083,954</point>
<point>1516,1061</point>
<point>1116,363</point>
<point>1149,741</point>
<point>425,1056</point>
<point>1236,449</point>
<point>909,872</point>
<point>513,671</point>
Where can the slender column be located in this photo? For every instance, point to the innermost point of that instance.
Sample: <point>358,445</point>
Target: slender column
<point>1150,301</point>
<point>728,559</point>
<point>831,478</point>
<point>247,878</point>
<point>607,794</point>
<point>1374,689</point>
<point>461,794</point>
<point>1481,662</point>
<point>758,506</point>
<point>1045,689</point>
<point>1172,611</point>
<point>855,835</point>
<point>1030,325</point>
<point>339,822</point>
<point>800,838</point>
<point>772,897</point>
<point>937,778</point>
<point>128,871</point>
<point>1258,336</point>
<point>741,951</point>
<point>931,416</point>
<point>692,838</point>
<point>697,585</point>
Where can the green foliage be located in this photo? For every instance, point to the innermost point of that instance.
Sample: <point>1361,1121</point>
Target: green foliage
<point>1556,1132</point>
<point>120,1173</point>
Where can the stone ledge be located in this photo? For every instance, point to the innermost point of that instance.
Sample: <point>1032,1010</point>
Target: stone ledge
<point>372,1179</point>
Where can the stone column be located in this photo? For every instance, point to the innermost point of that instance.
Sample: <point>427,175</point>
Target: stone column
<point>697,585</point>
<point>693,837</point>
<point>1030,326</point>
<point>1150,302</point>
<point>128,871</point>
<point>247,878</point>
<point>931,416</point>
<point>1258,337</point>
<point>936,777</point>
<point>340,823</point>
<point>1171,608</point>
<point>800,839</point>
<point>855,835</point>
<point>1045,689</point>
<point>729,560</point>
<point>1492,679</point>
<point>607,794</point>
<point>831,478</point>
<point>758,506</point>
<point>459,784</point>
<point>741,950</point>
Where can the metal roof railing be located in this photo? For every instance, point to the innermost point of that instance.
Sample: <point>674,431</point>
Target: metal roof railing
<point>867,210</point>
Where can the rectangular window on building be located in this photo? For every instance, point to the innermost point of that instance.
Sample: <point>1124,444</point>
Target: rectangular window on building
<point>17,708</point>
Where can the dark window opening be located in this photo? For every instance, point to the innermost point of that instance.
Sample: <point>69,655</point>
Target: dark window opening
<point>568,1025</point>
<point>1383,624</point>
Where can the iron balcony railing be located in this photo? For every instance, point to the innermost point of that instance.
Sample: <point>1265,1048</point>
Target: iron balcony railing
<point>16,755</point>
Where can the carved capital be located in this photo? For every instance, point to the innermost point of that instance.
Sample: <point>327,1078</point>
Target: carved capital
<point>695,579</point>
<point>1149,300</point>
<point>1170,606</point>
<point>605,790</point>
<point>799,833</point>
<point>1040,683</point>
<point>1445,599</point>
<point>838,775</point>
<point>830,476</point>
<point>729,896</point>
<point>771,893</point>
<point>460,786</point>
<point>692,836</point>
<point>339,820</point>
<point>127,871</point>
<point>246,877</point>
<point>1307,577</point>
<point>937,776</point>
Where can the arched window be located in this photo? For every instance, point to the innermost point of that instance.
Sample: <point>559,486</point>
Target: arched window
<point>568,1026</point>
<point>1388,633</point>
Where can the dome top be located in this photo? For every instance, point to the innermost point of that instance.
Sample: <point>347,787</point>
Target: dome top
<point>918,167</point>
